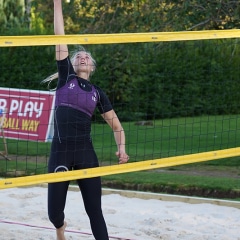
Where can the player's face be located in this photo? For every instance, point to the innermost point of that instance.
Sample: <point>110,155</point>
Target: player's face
<point>83,62</point>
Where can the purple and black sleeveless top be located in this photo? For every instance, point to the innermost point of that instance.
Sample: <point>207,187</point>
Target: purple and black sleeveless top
<point>75,103</point>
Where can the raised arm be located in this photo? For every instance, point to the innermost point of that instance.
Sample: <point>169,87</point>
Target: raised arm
<point>119,135</point>
<point>61,50</point>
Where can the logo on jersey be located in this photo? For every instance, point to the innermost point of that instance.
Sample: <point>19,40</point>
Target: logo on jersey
<point>94,97</point>
<point>61,169</point>
<point>71,85</point>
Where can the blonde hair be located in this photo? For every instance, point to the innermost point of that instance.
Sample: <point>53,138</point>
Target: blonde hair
<point>74,53</point>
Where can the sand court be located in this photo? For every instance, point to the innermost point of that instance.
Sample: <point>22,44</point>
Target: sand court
<point>23,215</point>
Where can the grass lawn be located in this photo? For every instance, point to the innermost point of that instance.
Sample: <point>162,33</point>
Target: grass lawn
<point>165,138</point>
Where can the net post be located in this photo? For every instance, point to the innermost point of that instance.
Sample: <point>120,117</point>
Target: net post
<point>3,153</point>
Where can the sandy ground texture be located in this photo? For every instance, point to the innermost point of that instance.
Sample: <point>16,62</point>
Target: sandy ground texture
<point>23,215</point>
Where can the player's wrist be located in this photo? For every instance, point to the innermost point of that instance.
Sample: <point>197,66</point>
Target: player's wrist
<point>121,147</point>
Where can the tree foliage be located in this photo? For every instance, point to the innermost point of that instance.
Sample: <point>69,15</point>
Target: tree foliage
<point>110,16</point>
<point>11,13</point>
<point>203,14</point>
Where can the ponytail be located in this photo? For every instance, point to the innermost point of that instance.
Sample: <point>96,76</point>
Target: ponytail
<point>49,80</point>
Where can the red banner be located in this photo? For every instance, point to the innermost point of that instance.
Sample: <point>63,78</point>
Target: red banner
<point>28,113</point>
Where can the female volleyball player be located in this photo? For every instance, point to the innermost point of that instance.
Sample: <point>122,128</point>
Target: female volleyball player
<point>72,149</point>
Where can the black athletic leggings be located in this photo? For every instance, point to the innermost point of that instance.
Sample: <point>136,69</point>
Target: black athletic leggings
<point>64,157</point>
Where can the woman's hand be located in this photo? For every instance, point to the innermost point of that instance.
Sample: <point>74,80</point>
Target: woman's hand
<point>122,157</point>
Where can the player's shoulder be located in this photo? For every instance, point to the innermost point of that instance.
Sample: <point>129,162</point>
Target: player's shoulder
<point>100,91</point>
<point>97,88</point>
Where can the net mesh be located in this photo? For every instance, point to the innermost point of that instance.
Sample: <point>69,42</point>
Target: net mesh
<point>176,100</point>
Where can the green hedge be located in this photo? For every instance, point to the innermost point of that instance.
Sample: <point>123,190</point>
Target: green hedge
<point>145,80</point>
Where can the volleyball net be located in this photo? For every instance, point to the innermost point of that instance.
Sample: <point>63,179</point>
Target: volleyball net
<point>176,94</point>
